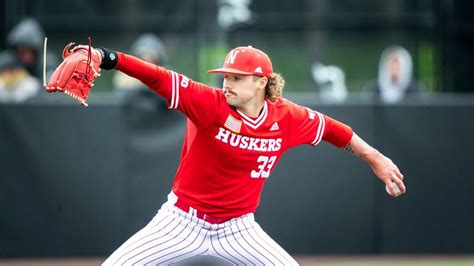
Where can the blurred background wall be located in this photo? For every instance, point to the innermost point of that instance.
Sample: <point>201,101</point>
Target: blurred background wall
<point>105,170</point>
<point>348,34</point>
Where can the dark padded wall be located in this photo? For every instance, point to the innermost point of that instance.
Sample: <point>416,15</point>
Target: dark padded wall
<point>433,145</point>
<point>80,181</point>
<point>61,180</point>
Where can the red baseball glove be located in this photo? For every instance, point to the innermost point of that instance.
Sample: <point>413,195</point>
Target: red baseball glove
<point>76,74</point>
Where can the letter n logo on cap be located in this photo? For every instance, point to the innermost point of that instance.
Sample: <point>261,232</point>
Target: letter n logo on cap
<point>231,57</point>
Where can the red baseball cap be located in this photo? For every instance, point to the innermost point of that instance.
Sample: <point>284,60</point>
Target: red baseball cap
<point>246,61</point>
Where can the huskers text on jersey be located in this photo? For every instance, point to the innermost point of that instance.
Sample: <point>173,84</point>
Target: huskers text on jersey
<point>248,143</point>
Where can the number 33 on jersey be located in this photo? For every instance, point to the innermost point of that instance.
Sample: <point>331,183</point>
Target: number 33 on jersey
<point>264,168</point>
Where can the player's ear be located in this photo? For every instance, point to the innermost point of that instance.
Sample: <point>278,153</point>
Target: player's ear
<point>262,82</point>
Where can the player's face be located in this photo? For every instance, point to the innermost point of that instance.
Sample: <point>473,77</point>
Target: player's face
<point>241,90</point>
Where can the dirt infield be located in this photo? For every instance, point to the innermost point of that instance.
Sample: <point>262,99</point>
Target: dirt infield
<point>383,260</point>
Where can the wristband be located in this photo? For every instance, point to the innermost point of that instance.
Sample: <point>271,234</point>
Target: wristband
<point>109,58</point>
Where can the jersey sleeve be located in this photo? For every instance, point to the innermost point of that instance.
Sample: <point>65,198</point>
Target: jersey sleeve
<point>195,100</point>
<point>310,127</point>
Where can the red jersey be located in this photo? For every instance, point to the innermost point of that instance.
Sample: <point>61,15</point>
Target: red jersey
<point>232,155</point>
<point>189,136</point>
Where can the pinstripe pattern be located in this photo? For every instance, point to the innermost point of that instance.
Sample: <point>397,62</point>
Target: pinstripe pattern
<point>174,235</point>
<point>161,225</point>
<point>247,249</point>
<point>259,246</point>
<point>221,252</point>
<point>267,243</point>
<point>160,244</point>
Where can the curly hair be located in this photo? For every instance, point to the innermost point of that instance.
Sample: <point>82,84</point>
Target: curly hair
<point>274,88</point>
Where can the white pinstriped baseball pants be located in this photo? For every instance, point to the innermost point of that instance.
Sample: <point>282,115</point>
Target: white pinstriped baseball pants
<point>175,235</point>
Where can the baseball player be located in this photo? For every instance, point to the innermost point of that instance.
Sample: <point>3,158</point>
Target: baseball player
<point>239,136</point>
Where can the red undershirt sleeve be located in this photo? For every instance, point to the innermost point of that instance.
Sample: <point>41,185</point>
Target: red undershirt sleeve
<point>336,133</point>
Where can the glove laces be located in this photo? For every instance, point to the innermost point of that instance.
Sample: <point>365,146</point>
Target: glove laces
<point>89,57</point>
